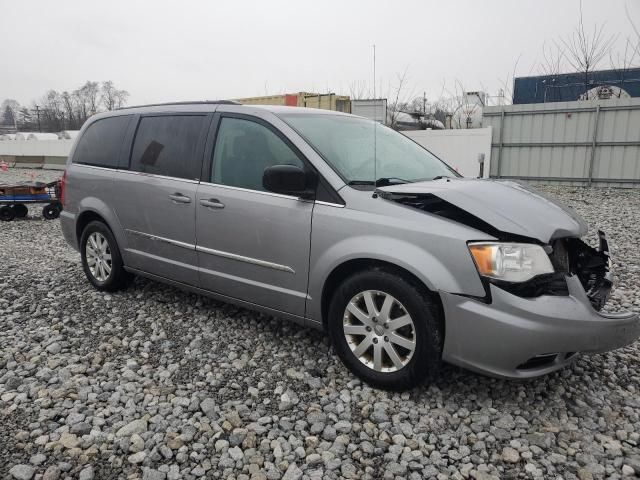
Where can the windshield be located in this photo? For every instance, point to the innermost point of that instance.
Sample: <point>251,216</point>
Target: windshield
<point>350,145</point>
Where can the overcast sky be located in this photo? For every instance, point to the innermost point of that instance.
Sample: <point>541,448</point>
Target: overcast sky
<point>188,50</point>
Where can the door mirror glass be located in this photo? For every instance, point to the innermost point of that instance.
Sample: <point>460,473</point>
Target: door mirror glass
<point>288,180</point>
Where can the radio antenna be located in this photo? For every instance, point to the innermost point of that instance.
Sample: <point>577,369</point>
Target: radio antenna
<point>375,121</point>
<point>374,71</point>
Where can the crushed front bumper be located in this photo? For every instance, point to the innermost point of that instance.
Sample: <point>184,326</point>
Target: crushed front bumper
<point>518,337</point>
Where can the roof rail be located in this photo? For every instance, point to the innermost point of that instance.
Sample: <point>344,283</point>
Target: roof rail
<point>197,102</point>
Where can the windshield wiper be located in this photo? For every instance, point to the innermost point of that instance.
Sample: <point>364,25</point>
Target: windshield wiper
<point>438,177</point>
<point>384,181</point>
<point>360,182</point>
<point>381,182</point>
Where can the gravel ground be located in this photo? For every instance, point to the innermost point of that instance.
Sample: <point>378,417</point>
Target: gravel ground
<point>156,383</point>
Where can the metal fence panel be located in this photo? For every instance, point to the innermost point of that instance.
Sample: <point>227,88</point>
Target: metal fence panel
<point>577,143</point>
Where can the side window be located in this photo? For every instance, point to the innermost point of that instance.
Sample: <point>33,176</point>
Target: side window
<point>101,142</point>
<point>244,149</point>
<point>166,145</point>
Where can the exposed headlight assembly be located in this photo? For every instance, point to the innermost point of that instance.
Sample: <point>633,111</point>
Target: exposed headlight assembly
<point>510,262</point>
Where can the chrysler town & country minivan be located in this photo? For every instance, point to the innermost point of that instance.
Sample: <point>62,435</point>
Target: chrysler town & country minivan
<point>342,224</point>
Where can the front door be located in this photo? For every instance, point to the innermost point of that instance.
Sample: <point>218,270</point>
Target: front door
<point>252,245</point>
<point>155,196</point>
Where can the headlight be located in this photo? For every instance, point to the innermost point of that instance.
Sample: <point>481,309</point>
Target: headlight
<point>510,262</point>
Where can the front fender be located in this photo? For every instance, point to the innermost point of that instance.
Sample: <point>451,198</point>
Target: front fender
<point>460,276</point>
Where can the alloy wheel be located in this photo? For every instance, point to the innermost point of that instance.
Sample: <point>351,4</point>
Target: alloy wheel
<point>379,331</point>
<point>98,255</point>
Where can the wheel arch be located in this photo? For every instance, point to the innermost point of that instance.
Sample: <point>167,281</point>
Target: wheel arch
<point>85,218</point>
<point>93,208</point>
<point>349,267</point>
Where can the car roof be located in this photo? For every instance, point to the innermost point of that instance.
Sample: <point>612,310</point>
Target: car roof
<point>203,103</point>
<point>207,106</point>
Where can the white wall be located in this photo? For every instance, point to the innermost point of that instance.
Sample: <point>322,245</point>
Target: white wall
<point>458,148</point>
<point>36,148</point>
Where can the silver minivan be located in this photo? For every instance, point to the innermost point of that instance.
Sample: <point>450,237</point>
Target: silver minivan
<point>342,224</point>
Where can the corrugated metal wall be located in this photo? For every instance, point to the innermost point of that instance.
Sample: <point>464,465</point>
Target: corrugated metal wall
<point>579,143</point>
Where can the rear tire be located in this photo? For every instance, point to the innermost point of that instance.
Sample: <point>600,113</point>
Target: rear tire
<point>21,210</point>
<point>7,213</point>
<point>404,338</point>
<point>101,259</point>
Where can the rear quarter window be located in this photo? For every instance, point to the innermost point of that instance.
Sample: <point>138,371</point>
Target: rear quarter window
<point>101,142</point>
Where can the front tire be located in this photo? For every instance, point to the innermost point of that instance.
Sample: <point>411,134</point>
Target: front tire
<point>386,329</point>
<point>101,259</point>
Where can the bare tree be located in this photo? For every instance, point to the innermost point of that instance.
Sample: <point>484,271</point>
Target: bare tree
<point>358,90</point>
<point>52,119</point>
<point>9,111</point>
<point>25,121</point>
<point>70,108</point>
<point>398,99</point>
<point>585,50</point>
<point>508,83</point>
<point>57,111</point>
<point>633,24</point>
<point>441,108</point>
<point>623,62</point>
<point>111,97</point>
<point>553,58</point>
<point>88,96</point>
<point>87,100</point>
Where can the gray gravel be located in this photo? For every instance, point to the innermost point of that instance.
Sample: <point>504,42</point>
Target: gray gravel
<point>155,383</point>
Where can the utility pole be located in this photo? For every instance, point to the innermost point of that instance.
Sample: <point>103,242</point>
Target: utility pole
<point>374,71</point>
<point>424,103</point>
<point>38,115</point>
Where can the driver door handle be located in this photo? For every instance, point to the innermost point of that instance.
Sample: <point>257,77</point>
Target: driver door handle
<point>179,198</point>
<point>212,203</point>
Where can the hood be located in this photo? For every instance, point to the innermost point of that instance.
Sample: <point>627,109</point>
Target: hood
<point>505,206</point>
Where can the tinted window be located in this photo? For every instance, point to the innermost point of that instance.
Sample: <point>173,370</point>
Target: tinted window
<point>167,145</point>
<point>244,149</point>
<point>100,144</point>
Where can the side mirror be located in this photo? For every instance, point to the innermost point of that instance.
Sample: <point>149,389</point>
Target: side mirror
<point>288,180</point>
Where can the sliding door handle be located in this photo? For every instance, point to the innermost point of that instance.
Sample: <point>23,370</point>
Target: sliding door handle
<point>212,203</point>
<point>179,198</point>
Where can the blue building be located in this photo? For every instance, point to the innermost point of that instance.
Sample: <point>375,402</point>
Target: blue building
<point>567,87</point>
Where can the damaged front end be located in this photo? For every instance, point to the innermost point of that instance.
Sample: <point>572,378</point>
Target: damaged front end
<point>591,265</point>
<point>545,288</point>
<point>569,255</point>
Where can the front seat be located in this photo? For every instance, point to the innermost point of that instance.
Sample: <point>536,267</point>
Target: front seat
<point>245,166</point>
